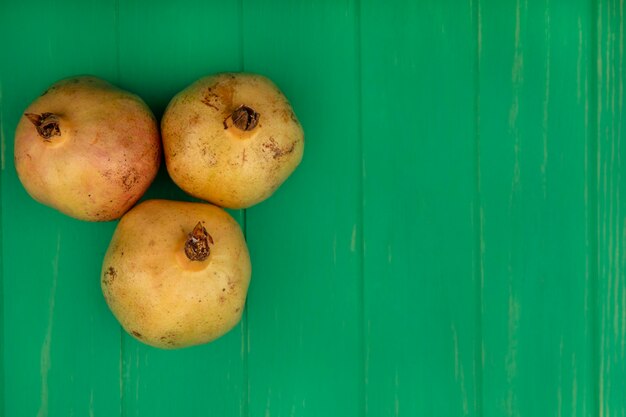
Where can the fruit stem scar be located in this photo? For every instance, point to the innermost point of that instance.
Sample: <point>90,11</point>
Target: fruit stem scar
<point>197,244</point>
<point>47,124</point>
<point>243,118</point>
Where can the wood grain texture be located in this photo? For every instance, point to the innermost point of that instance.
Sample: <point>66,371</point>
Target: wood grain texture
<point>453,243</point>
<point>611,225</point>
<point>420,274</point>
<point>537,297</point>
<point>60,353</point>
<point>3,12</point>
<point>304,344</point>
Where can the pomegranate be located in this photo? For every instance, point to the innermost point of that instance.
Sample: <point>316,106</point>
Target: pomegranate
<point>176,274</point>
<point>87,148</point>
<point>231,139</point>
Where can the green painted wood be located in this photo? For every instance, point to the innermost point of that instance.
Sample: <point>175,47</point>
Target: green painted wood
<point>452,243</point>
<point>162,50</point>
<point>60,352</point>
<point>537,276</point>
<point>3,12</point>
<point>611,222</point>
<point>304,356</point>
<point>422,331</point>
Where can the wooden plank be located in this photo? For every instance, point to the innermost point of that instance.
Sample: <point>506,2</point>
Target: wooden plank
<point>304,314</point>
<point>611,192</point>
<point>61,356</point>
<point>3,12</point>
<point>536,201</point>
<point>164,48</point>
<point>420,209</point>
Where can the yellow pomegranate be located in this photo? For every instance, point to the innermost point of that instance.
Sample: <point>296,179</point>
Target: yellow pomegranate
<point>231,139</point>
<point>176,274</point>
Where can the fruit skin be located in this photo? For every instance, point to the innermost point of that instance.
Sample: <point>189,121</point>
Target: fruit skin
<point>210,158</point>
<point>160,296</point>
<point>104,159</point>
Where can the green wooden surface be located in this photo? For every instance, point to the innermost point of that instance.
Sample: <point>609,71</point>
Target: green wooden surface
<point>610,122</point>
<point>534,190</point>
<point>453,243</point>
<point>304,347</point>
<point>419,155</point>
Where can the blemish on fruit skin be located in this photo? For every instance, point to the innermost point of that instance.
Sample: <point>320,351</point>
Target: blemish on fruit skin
<point>210,157</point>
<point>193,120</point>
<point>276,150</point>
<point>225,89</point>
<point>210,98</point>
<point>288,115</point>
<point>130,179</point>
<point>109,276</point>
<point>168,339</point>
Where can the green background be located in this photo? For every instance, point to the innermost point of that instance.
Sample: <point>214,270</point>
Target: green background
<point>453,243</point>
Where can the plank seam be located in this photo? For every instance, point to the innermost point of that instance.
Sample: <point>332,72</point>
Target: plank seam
<point>361,210</point>
<point>593,178</point>
<point>478,222</point>
<point>2,315</point>
<point>362,388</point>
<point>117,41</point>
